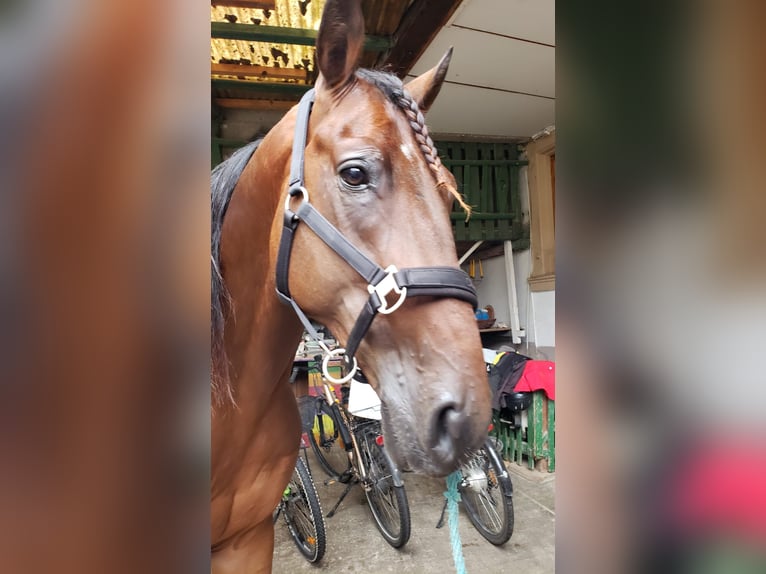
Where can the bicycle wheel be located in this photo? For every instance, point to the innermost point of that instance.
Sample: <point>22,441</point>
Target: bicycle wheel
<point>487,493</point>
<point>303,514</point>
<point>388,502</point>
<point>327,443</point>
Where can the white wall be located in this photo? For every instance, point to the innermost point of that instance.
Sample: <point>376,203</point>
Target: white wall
<point>536,310</point>
<point>493,289</point>
<point>543,318</point>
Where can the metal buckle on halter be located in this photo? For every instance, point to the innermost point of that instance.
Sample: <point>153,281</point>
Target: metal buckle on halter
<point>386,286</point>
<point>326,363</point>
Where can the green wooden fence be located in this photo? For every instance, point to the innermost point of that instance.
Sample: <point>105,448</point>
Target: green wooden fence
<point>487,175</point>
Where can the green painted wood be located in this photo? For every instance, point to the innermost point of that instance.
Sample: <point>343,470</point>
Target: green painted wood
<point>539,440</point>
<point>489,162</point>
<point>536,422</point>
<point>215,154</point>
<point>261,87</point>
<point>488,175</point>
<point>225,142</point>
<point>551,436</point>
<point>517,229</point>
<point>472,183</point>
<point>485,192</point>
<point>460,227</point>
<point>280,35</point>
<point>502,193</point>
<point>216,148</point>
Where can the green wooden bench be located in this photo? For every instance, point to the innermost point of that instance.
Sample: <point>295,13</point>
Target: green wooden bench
<point>537,442</point>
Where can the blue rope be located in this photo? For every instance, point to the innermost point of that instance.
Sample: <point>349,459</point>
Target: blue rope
<point>453,497</point>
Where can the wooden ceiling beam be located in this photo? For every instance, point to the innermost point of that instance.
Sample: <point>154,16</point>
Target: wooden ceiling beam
<point>295,90</point>
<point>280,35</point>
<point>418,27</point>
<point>241,70</point>
<point>258,105</point>
<point>262,4</point>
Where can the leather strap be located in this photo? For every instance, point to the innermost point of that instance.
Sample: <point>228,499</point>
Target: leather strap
<point>290,220</point>
<point>419,281</point>
<point>283,256</point>
<point>438,282</point>
<point>368,269</point>
<point>299,140</point>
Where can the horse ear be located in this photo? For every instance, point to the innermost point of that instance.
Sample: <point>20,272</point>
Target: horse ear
<point>339,41</point>
<point>426,87</point>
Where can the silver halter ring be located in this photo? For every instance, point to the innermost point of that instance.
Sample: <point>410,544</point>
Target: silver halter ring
<point>326,371</point>
<point>303,192</point>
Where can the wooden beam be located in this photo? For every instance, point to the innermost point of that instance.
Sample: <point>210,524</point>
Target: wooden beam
<point>279,35</point>
<point>260,87</point>
<point>257,71</point>
<point>541,212</point>
<point>478,216</point>
<point>418,28</point>
<point>258,105</point>
<point>513,301</point>
<point>491,162</point>
<point>262,4</point>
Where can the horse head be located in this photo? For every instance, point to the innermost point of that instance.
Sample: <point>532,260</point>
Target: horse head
<point>371,170</point>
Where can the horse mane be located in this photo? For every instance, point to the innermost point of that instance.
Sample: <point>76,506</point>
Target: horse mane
<point>223,180</point>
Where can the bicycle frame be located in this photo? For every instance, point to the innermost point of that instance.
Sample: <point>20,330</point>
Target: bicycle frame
<point>347,424</point>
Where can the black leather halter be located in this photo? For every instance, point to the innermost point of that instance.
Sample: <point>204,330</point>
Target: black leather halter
<point>431,281</point>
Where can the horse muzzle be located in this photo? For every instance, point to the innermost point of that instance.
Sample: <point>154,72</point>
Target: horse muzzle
<point>434,437</point>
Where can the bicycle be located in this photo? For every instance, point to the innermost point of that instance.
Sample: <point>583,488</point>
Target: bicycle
<point>486,492</point>
<point>351,451</point>
<point>303,513</point>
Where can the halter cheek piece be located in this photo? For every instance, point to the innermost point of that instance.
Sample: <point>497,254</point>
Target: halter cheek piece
<point>417,281</point>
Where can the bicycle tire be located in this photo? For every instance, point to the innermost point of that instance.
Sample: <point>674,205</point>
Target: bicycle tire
<point>487,495</point>
<point>303,514</point>
<point>327,443</point>
<point>387,502</point>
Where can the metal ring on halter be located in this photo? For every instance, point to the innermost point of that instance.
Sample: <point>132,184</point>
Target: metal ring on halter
<point>290,194</point>
<point>326,371</point>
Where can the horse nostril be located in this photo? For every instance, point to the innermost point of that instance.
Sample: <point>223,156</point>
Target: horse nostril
<point>451,421</point>
<point>449,434</point>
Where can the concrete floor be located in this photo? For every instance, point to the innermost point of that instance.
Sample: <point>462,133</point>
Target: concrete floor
<point>355,545</point>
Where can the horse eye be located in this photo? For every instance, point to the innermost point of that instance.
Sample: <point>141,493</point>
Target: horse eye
<point>354,176</point>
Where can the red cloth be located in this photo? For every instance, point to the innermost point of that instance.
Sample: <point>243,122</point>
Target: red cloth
<point>538,376</point>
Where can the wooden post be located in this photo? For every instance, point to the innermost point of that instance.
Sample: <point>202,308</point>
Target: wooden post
<point>513,303</point>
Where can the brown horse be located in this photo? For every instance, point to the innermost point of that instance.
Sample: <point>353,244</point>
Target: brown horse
<point>371,170</point>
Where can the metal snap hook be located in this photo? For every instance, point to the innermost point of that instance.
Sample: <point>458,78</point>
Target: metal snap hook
<point>326,371</point>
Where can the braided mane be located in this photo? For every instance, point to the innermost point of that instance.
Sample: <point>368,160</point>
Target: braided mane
<point>393,88</point>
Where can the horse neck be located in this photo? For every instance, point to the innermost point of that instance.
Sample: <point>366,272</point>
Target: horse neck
<point>262,337</point>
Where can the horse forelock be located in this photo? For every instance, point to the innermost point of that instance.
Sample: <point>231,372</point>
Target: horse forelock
<point>223,180</point>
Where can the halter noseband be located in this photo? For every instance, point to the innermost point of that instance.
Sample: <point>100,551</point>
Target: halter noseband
<point>416,281</point>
